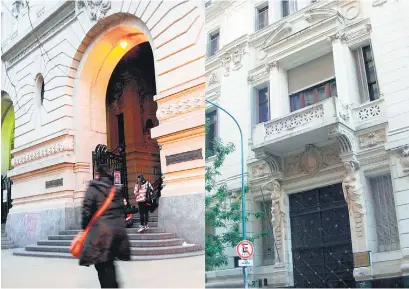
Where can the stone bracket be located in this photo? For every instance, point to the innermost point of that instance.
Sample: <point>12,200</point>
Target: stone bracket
<point>274,162</point>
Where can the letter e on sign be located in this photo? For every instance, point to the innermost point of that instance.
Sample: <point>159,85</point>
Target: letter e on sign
<point>245,249</point>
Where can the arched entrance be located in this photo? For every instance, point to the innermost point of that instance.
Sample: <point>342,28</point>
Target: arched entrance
<point>7,145</point>
<point>131,114</point>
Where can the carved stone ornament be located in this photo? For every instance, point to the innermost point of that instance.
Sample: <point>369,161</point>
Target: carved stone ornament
<point>116,106</point>
<point>213,79</point>
<point>337,36</point>
<point>344,113</point>
<point>353,190</point>
<point>277,214</point>
<point>18,7</point>
<point>182,106</point>
<point>96,9</point>
<point>237,57</point>
<point>372,139</point>
<point>378,3</point>
<point>58,147</point>
<point>404,158</point>
<point>226,64</point>
<point>260,170</point>
<point>311,160</point>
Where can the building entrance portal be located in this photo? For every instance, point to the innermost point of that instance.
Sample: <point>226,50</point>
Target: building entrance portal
<point>131,114</point>
<point>321,239</point>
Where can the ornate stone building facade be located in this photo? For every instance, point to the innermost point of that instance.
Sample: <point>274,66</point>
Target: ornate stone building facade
<point>320,91</point>
<point>68,68</point>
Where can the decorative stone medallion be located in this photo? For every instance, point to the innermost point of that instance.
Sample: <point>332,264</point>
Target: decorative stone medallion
<point>96,9</point>
<point>372,139</point>
<point>311,160</point>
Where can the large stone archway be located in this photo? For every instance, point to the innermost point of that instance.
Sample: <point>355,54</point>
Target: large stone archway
<point>77,76</point>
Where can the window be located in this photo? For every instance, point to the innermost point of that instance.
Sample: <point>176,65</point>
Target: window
<point>262,18</point>
<point>285,6</point>
<point>211,118</point>
<point>268,238</point>
<point>213,43</point>
<point>263,105</point>
<point>366,71</point>
<point>313,95</point>
<point>385,213</point>
<point>42,92</point>
<point>370,73</point>
<point>121,128</point>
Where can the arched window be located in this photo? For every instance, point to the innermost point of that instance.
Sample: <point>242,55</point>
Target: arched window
<point>39,90</point>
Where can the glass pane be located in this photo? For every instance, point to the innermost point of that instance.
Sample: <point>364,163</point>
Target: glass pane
<point>263,112</point>
<point>367,53</point>
<point>373,91</point>
<point>263,95</point>
<point>262,18</point>
<point>321,93</point>
<point>309,97</point>
<point>334,89</point>
<point>294,102</point>
<point>371,72</point>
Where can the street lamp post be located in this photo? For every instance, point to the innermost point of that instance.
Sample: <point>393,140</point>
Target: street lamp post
<point>243,203</point>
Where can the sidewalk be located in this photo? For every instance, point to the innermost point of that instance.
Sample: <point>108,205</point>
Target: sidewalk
<point>17,272</point>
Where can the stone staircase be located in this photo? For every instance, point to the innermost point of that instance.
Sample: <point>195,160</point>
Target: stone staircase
<point>155,244</point>
<point>6,242</point>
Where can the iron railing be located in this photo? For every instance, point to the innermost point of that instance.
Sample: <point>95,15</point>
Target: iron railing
<point>6,202</point>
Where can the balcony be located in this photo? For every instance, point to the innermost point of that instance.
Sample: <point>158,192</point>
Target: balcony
<point>316,124</point>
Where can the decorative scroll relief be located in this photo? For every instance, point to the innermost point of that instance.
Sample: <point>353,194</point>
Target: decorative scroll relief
<point>212,79</point>
<point>294,120</point>
<point>262,72</point>
<point>96,9</point>
<point>233,60</point>
<point>180,107</point>
<point>378,3</point>
<point>372,139</point>
<point>277,213</point>
<point>403,154</point>
<point>312,160</point>
<point>66,145</point>
<point>353,190</point>
<point>260,170</point>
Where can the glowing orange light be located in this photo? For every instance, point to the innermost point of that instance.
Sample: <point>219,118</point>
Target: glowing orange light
<point>123,44</point>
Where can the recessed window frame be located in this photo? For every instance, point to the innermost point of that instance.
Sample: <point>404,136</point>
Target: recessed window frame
<point>260,9</point>
<point>266,103</point>
<point>212,37</point>
<point>40,89</point>
<point>212,117</point>
<point>314,90</point>
<point>362,73</point>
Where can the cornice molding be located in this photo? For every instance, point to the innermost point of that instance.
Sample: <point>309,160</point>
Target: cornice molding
<point>52,24</point>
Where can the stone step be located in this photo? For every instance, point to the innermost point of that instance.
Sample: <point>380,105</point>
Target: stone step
<point>129,231</point>
<point>5,239</point>
<point>151,218</point>
<point>7,242</point>
<point>164,250</point>
<point>143,236</point>
<point>134,251</point>
<point>134,243</point>
<point>134,225</point>
<point>22,252</point>
<point>5,247</point>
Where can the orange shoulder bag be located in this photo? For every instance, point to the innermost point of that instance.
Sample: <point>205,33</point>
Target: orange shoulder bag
<point>78,243</point>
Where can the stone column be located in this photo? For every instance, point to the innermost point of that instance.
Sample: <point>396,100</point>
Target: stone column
<point>279,99</point>
<point>345,72</point>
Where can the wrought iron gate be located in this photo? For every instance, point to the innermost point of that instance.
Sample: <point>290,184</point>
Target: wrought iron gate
<point>321,239</point>
<point>5,197</point>
<point>115,159</point>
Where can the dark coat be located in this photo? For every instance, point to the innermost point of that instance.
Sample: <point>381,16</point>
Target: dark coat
<point>107,238</point>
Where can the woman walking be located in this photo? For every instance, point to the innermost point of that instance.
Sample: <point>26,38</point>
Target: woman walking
<point>144,196</point>
<point>107,238</point>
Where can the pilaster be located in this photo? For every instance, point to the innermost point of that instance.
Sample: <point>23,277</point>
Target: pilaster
<point>279,100</point>
<point>345,73</point>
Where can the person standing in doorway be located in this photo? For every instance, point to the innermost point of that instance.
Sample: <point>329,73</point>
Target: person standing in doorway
<point>107,238</point>
<point>144,195</point>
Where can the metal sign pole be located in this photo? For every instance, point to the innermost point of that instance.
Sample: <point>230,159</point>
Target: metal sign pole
<point>243,200</point>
